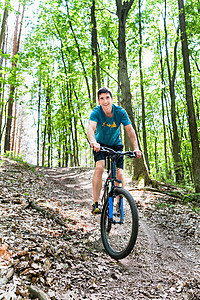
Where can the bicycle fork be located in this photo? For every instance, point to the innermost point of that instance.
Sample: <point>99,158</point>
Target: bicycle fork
<point>121,208</point>
<point>112,195</point>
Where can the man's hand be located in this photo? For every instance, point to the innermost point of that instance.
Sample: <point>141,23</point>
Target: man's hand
<point>138,153</point>
<point>95,146</point>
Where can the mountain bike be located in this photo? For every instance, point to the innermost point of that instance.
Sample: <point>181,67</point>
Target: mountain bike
<point>119,217</point>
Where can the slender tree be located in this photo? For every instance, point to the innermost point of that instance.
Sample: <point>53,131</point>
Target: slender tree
<point>38,119</point>
<point>178,166</point>
<point>142,89</point>
<point>49,122</point>
<point>189,99</point>
<point>14,128</point>
<point>95,54</point>
<point>163,106</point>
<point>122,13</point>
<point>16,43</point>
<point>2,45</point>
<point>4,22</point>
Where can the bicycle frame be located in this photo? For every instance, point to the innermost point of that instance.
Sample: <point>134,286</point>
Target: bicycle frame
<point>109,186</point>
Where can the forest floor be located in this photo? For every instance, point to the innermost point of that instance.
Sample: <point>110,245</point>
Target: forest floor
<point>57,253</point>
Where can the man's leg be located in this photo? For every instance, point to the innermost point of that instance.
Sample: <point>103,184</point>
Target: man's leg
<point>97,181</point>
<point>120,175</point>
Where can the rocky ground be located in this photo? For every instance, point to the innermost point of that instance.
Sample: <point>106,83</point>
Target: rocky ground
<point>50,246</point>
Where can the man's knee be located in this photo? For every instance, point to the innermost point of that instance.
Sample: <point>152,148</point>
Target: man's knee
<point>99,167</point>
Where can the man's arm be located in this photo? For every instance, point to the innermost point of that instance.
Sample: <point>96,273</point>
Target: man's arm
<point>91,135</point>
<point>132,136</point>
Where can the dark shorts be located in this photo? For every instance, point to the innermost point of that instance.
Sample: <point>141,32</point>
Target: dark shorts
<point>101,156</point>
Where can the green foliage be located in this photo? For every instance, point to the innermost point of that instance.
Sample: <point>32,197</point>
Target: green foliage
<point>165,204</point>
<point>14,157</point>
<point>57,60</point>
<point>191,197</point>
<point>196,209</point>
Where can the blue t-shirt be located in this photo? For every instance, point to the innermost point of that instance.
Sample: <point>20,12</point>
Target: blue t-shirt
<point>107,130</point>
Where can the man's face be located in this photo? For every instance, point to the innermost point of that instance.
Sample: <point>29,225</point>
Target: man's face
<point>106,102</point>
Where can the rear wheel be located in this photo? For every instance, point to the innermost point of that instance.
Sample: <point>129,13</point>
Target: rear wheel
<point>119,234</point>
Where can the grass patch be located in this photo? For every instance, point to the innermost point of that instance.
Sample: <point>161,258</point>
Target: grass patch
<point>18,158</point>
<point>164,204</point>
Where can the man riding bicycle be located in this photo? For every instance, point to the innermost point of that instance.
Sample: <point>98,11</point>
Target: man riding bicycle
<point>104,130</point>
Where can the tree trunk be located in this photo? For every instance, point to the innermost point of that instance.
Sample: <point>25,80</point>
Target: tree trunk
<point>59,149</point>
<point>95,55</point>
<point>1,121</point>
<point>74,122</point>
<point>156,155</point>
<point>178,166</point>
<point>3,24</point>
<point>47,129</point>
<point>44,144</point>
<point>2,126</point>
<point>14,128</point>
<point>142,90</point>
<point>20,135</point>
<point>140,168</point>
<point>163,108</point>
<point>72,138</point>
<point>16,43</point>
<point>48,111</point>
<point>16,140</point>
<point>9,120</point>
<point>189,99</point>
<point>2,40</point>
<point>76,138</point>
<point>2,92</point>
<point>38,122</point>
<point>65,153</point>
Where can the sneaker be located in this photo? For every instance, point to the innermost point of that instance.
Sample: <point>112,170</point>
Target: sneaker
<point>95,208</point>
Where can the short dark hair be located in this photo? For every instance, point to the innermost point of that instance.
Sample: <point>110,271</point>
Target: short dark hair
<point>103,90</point>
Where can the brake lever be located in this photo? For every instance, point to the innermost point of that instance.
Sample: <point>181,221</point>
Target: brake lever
<point>132,154</point>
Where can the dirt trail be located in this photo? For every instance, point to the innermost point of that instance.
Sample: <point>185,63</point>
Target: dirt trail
<point>70,263</point>
<point>166,261</point>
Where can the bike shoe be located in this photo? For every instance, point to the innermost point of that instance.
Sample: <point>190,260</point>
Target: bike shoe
<point>95,208</point>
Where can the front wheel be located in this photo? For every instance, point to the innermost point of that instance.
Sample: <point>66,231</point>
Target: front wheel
<point>119,231</point>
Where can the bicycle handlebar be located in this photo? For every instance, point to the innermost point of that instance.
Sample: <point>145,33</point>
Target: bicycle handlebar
<point>113,152</point>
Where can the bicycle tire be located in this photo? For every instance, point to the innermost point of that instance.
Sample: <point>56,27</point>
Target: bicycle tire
<point>119,239</point>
